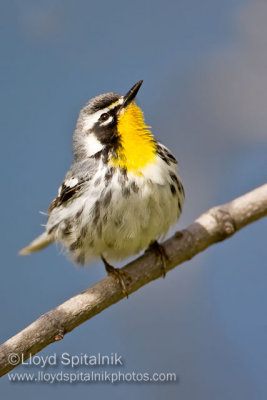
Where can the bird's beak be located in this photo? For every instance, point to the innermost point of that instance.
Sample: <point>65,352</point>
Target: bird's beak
<point>130,96</point>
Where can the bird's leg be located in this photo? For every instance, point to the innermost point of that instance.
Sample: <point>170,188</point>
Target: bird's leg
<point>155,246</point>
<point>118,274</point>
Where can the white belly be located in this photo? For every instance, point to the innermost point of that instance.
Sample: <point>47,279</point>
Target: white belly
<point>135,221</point>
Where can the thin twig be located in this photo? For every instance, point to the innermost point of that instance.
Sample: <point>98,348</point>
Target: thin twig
<point>213,226</point>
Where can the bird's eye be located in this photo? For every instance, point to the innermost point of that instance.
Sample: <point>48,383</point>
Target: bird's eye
<point>104,117</point>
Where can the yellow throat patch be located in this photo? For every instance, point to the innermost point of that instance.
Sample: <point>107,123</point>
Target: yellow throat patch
<point>137,144</point>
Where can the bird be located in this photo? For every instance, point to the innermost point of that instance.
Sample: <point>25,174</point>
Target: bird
<point>122,192</point>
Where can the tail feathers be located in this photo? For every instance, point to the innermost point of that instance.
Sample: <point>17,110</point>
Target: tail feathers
<point>37,244</point>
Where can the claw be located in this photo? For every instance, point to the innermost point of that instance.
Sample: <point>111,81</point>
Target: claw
<point>155,246</point>
<point>118,274</point>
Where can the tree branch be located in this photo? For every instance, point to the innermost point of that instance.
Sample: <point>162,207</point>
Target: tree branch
<point>213,226</point>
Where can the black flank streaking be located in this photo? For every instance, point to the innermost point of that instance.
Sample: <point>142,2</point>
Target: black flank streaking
<point>96,212</point>
<point>134,187</point>
<point>173,190</point>
<point>107,198</point>
<point>109,174</point>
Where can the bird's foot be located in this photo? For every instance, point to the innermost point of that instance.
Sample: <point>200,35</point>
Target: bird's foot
<point>160,250</point>
<point>118,274</point>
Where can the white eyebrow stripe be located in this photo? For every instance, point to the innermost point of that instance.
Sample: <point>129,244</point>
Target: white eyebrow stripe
<point>90,120</point>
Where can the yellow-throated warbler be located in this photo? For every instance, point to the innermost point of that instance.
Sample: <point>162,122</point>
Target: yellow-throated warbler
<point>122,192</point>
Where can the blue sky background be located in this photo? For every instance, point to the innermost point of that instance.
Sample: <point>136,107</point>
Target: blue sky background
<point>205,95</point>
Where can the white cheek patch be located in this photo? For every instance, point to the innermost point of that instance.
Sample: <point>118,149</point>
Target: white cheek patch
<point>92,145</point>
